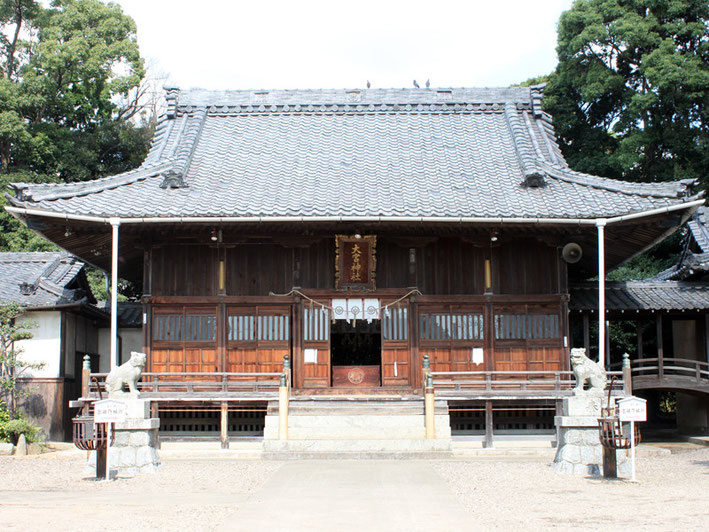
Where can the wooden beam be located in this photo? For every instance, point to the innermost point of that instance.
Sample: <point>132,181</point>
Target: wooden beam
<point>639,333</point>
<point>586,334</point>
<point>488,425</point>
<point>225,425</point>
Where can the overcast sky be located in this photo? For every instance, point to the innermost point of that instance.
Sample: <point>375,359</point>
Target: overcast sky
<point>342,44</point>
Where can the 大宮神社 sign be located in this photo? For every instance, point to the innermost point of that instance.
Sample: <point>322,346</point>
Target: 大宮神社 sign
<point>355,264</point>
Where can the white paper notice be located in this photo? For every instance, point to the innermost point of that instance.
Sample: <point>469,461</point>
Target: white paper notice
<point>310,356</point>
<point>477,355</point>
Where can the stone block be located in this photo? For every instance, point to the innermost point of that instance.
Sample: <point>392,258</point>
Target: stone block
<point>145,456</point>
<point>139,438</point>
<point>127,457</point>
<point>6,449</point>
<point>563,468</point>
<point>576,421</point>
<point>21,447</point>
<point>122,438</point>
<point>139,424</point>
<point>582,405</point>
<point>571,436</point>
<point>137,408</point>
<point>570,453</point>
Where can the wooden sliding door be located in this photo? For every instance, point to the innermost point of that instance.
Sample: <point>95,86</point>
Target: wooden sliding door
<point>257,338</point>
<point>184,340</point>
<point>528,338</point>
<point>453,337</point>
<point>315,364</point>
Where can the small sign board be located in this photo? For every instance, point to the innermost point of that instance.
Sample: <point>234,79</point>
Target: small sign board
<point>109,411</point>
<point>632,409</point>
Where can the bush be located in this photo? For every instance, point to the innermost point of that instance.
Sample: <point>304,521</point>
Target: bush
<point>15,427</point>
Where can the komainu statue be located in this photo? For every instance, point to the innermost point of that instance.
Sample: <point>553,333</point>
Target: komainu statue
<point>127,373</point>
<point>587,371</point>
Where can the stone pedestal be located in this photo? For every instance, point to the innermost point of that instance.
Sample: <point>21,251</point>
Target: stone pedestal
<point>135,447</point>
<point>579,449</point>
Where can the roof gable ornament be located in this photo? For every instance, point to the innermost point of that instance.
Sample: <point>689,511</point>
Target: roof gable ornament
<point>534,180</point>
<point>27,289</point>
<point>172,179</point>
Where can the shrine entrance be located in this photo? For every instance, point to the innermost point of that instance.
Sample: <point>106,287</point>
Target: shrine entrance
<point>356,353</point>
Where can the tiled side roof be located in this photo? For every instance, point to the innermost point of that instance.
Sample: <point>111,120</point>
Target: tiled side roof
<point>363,153</point>
<point>39,279</point>
<point>130,314</point>
<point>691,263</point>
<point>642,295</point>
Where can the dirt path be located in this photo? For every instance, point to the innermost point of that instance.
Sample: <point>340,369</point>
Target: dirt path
<point>52,492</point>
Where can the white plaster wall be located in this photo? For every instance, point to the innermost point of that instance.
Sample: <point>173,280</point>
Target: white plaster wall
<point>131,340</point>
<point>45,344</point>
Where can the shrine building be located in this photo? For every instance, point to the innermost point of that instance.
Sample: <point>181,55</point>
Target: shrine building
<point>356,231</point>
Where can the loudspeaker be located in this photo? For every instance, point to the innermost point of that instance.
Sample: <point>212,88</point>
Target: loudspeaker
<point>572,252</point>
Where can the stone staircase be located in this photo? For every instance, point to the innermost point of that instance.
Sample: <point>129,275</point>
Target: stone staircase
<point>362,427</point>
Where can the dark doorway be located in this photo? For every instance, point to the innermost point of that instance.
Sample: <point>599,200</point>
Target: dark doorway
<point>356,345</point>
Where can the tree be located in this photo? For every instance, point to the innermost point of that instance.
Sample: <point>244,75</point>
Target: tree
<point>630,93</point>
<point>12,365</point>
<point>71,98</point>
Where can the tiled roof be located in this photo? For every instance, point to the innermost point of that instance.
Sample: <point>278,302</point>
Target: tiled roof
<point>130,314</point>
<point>360,153</point>
<point>40,279</point>
<point>641,295</point>
<point>692,263</point>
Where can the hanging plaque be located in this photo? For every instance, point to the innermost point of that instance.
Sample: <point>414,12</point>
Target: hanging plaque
<point>355,262</point>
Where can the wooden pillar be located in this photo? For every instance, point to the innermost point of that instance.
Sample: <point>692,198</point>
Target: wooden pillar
<point>225,425</point>
<point>430,408</point>
<point>706,336</point>
<point>559,411</point>
<point>488,425</point>
<point>660,349</point>
<point>586,334</point>
<point>639,333</point>
<point>283,409</point>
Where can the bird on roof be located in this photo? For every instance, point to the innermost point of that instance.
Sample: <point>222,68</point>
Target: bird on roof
<point>428,83</point>
<point>368,84</point>
<point>416,84</point>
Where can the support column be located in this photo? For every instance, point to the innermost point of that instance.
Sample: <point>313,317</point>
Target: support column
<point>639,333</point>
<point>601,224</point>
<point>488,425</point>
<point>586,333</point>
<point>660,349</point>
<point>225,425</point>
<point>115,223</point>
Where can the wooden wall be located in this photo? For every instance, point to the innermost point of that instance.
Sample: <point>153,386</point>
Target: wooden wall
<point>444,266</point>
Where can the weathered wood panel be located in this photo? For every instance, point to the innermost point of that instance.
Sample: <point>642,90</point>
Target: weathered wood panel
<point>317,374</point>
<point>441,266</point>
<point>355,376</point>
<point>395,366</point>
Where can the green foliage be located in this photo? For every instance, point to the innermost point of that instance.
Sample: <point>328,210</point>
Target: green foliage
<point>70,99</point>
<point>537,80</point>
<point>11,431</point>
<point>12,365</point>
<point>97,282</point>
<point>629,95</point>
<point>668,403</point>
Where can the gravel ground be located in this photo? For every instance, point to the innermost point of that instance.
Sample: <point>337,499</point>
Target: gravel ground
<point>671,492</point>
<point>53,492</point>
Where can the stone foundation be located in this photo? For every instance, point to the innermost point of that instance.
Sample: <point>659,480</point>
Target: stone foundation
<point>579,449</point>
<point>135,447</point>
